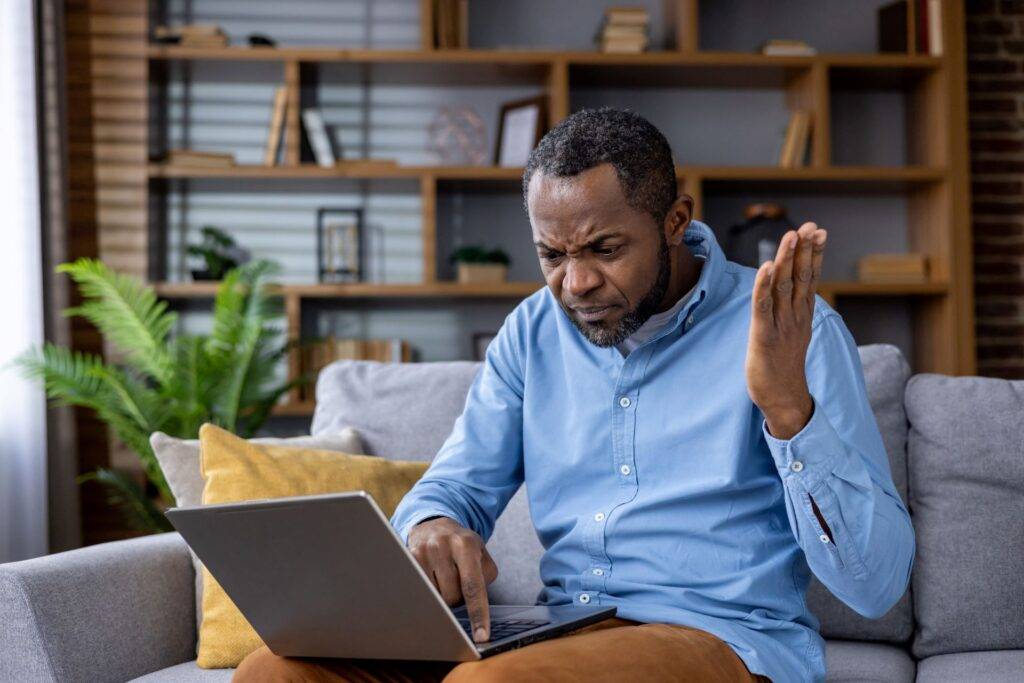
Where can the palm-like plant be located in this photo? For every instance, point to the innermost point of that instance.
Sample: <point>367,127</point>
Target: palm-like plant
<point>171,384</point>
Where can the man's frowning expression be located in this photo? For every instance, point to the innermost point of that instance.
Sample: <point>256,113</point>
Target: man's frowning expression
<point>606,262</point>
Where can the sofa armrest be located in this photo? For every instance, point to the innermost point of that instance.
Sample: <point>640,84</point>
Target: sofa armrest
<point>108,612</point>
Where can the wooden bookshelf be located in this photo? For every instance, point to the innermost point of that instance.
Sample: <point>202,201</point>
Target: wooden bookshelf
<point>935,181</point>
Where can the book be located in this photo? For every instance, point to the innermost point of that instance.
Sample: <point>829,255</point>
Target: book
<point>795,142</point>
<point>451,24</point>
<point>623,29</point>
<point>803,138</point>
<point>276,126</point>
<point>787,48</point>
<point>934,28</point>
<point>188,157</point>
<point>622,45</point>
<point>627,15</point>
<point>896,267</point>
<point>892,27</point>
<point>319,141</point>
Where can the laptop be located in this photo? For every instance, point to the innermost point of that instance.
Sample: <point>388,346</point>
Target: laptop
<point>328,576</point>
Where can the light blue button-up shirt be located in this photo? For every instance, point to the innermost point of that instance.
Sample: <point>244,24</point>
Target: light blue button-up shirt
<point>659,471</point>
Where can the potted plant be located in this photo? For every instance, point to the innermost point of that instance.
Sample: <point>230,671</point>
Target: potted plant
<point>477,264</point>
<point>219,252</point>
<point>165,383</point>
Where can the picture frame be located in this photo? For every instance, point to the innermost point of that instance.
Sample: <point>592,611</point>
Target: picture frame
<point>481,340</point>
<point>340,244</point>
<point>521,123</point>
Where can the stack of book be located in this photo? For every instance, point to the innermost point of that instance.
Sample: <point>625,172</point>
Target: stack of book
<point>797,140</point>
<point>624,29</point>
<point>787,48</point>
<point>193,35</point>
<point>893,268</point>
<point>189,157</point>
<point>451,24</point>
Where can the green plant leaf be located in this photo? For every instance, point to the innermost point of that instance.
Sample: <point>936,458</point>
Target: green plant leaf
<point>126,312</point>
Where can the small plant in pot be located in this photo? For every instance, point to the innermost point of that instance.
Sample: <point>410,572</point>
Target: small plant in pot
<point>477,264</point>
<point>219,252</point>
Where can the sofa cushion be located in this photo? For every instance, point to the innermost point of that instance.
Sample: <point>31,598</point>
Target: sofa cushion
<point>885,376</point>
<point>966,454</point>
<point>852,662</point>
<point>999,666</point>
<point>186,672</point>
<point>407,410</point>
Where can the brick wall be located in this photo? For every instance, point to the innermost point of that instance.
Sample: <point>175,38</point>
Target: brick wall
<point>995,49</point>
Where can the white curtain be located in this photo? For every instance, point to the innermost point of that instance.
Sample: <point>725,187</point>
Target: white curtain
<point>23,521</point>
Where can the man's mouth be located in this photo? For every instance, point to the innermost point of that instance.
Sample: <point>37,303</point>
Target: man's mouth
<point>592,313</point>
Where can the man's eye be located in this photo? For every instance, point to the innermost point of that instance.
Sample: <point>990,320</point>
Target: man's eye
<point>606,251</point>
<point>550,256</point>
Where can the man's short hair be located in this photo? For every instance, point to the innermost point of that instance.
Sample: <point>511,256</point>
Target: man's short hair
<point>636,149</point>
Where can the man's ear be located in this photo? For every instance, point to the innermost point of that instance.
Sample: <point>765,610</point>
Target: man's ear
<point>678,219</point>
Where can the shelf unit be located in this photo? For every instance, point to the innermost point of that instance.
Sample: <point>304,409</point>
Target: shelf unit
<point>935,181</point>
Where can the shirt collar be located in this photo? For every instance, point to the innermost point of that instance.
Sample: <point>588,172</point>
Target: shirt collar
<point>701,242</point>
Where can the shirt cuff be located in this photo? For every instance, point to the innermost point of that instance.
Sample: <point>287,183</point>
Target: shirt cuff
<point>809,454</point>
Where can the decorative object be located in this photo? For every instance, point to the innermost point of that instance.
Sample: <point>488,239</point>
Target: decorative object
<point>756,240</point>
<point>340,246</point>
<point>476,265</point>
<point>520,127</point>
<point>164,384</point>
<point>219,252</point>
<point>235,470</point>
<point>910,267</point>
<point>260,40</point>
<point>458,137</point>
<point>623,29</point>
<point>481,340</point>
<point>319,141</point>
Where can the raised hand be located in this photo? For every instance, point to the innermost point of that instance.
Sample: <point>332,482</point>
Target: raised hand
<point>782,305</point>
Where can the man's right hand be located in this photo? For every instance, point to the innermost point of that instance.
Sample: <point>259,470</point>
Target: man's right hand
<point>456,560</point>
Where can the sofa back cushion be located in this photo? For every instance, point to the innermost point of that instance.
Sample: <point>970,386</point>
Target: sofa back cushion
<point>966,452</point>
<point>885,376</point>
<point>406,411</point>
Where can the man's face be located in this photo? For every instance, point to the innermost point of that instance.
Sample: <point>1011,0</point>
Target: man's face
<point>606,263</point>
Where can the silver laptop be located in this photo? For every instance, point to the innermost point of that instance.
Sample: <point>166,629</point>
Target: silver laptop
<point>327,576</point>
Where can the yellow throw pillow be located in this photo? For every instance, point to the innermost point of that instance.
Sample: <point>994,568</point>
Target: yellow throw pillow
<point>235,470</point>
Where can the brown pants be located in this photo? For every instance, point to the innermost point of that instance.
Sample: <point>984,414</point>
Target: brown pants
<point>614,650</point>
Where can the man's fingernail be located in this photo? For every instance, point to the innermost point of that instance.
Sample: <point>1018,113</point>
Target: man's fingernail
<point>480,634</point>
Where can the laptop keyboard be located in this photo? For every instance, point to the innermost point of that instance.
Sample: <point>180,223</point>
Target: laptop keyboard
<point>504,628</point>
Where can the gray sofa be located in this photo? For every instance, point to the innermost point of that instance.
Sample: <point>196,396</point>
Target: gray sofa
<point>124,611</point>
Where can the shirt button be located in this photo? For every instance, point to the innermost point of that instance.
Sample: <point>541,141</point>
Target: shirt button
<point>625,470</point>
<point>598,572</point>
<point>689,321</point>
<point>584,598</point>
<point>823,538</point>
<point>624,401</point>
<point>796,466</point>
<point>599,516</point>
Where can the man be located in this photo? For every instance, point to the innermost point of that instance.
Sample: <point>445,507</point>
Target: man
<point>694,435</point>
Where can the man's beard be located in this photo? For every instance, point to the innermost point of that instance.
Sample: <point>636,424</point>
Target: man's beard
<point>633,320</point>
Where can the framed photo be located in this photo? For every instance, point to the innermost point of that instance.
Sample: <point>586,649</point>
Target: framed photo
<point>521,124</point>
<point>481,340</point>
<point>340,245</point>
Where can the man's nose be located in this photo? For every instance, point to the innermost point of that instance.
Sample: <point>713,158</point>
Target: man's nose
<point>580,278</point>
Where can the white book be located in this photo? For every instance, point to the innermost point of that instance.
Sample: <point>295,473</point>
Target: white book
<point>935,28</point>
<point>318,140</point>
